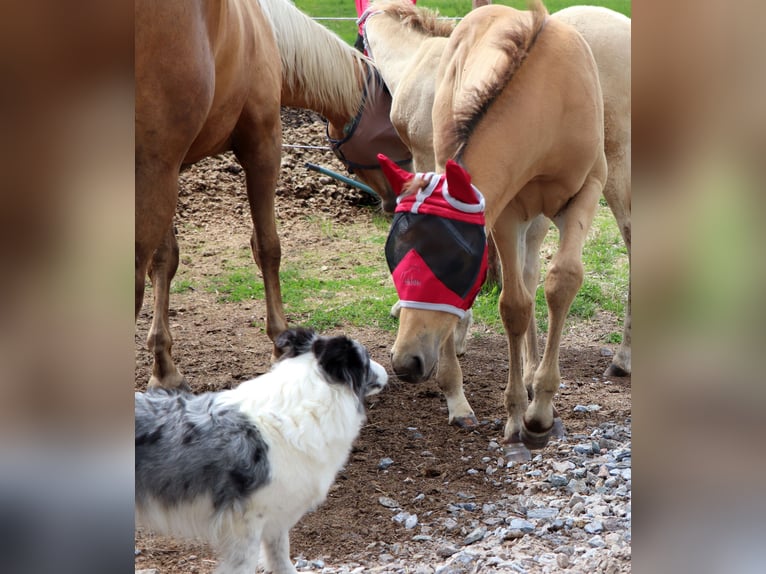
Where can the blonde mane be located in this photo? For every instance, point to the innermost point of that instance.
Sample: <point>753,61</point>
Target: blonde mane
<point>316,64</point>
<point>422,20</point>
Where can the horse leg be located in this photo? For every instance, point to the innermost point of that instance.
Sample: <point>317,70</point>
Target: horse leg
<point>617,194</point>
<point>257,146</point>
<point>534,240</point>
<point>449,377</point>
<point>155,200</point>
<point>159,341</point>
<point>515,306</point>
<point>562,282</point>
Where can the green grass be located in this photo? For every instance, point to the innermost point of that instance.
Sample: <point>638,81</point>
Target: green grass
<point>181,286</point>
<point>312,300</point>
<point>347,29</point>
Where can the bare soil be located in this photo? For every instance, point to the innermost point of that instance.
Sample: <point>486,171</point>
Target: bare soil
<point>216,345</point>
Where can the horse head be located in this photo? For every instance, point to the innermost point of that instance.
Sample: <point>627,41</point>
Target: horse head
<point>437,254</point>
<point>357,143</point>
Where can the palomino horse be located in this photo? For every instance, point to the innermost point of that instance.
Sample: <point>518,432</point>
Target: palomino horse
<point>407,44</point>
<point>232,67</point>
<point>518,104</point>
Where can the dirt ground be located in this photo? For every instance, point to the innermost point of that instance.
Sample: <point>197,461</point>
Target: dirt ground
<point>217,347</point>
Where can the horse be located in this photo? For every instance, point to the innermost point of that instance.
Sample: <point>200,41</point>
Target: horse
<point>518,104</point>
<point>407,46</point>
<point>211,77</point>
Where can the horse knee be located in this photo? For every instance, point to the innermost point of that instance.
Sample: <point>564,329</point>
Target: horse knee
<point>516,313</point>
<point>563,281</point>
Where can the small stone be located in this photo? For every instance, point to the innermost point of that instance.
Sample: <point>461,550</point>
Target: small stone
<point>411,522</point>
<point>476,535</point>
<point>542,513</point>
<point>558,480</point>
<point>446,551</point>
<point>148,571</point>
<point>317,563</point>
<point>594,527</point>
<point>521,524</point>
<point>472,471</point>
<point>512,534</point>
<point>385,463</point>
<point>562,466</point>
<point>388,502</point>
<point>400,517</point>
<point>419,497</point>
<point>596,542</point>
<point>562,560</point>
<point>422,538</point>
<point>450,524</point>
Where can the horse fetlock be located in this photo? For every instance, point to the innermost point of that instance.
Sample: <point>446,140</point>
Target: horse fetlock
<point>174,380</point>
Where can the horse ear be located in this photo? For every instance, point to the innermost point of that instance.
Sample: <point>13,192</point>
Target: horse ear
<point>459,182</point>
<point>395,175</point>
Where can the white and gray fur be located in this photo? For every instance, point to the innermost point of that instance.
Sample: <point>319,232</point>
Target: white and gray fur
<point>240,467</point>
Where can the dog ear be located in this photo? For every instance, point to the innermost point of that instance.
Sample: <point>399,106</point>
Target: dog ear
<point>294,342</point>
<point>340,359</point>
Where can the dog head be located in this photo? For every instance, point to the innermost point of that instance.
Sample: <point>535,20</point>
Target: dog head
<point>342,360</point>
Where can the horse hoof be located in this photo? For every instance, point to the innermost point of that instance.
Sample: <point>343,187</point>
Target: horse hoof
<point>466,422</point>
<point>615,371</point>
<point>558,429</point>
<point>516,452</point>
<point>535,440</point>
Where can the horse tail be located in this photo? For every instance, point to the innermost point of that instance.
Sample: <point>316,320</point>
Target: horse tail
<point>477,86</point>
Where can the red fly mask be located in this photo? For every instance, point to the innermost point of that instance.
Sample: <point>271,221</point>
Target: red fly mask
<point>437,247</point>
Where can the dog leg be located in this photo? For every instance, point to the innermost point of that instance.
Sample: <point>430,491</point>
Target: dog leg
<point>239,555</point>
<point>276,546</point>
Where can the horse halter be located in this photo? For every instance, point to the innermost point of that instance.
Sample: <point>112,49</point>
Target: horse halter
<point>371,130</point>
<point>437,247</point>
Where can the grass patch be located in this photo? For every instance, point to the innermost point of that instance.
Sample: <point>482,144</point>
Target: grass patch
<point>181,286</point>
<point>314,298</point>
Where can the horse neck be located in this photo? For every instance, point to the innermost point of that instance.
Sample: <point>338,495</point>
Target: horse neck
<point>320,72</point>
<point>392,46</point>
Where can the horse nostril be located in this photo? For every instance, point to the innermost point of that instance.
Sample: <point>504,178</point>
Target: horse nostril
<point>409,369</point>
<point>416,367</point>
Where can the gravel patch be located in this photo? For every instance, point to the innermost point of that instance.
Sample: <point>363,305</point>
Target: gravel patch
<point>574,514</point>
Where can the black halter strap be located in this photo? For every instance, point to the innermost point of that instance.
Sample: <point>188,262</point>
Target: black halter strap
<point>379,105</point>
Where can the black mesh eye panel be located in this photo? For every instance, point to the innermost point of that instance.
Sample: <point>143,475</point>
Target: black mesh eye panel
<point>452,249</point>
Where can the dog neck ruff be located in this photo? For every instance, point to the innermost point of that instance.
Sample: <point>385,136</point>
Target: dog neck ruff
<point>437,246</point>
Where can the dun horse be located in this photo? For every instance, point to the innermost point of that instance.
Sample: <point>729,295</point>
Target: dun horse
<point>211,77</point>
<point>518,104</point>
<point>407,45</point>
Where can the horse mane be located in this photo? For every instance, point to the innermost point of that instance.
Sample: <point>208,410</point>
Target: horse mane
<point>315,61</point>
<point>516,42</point>
<point>421,20</point>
